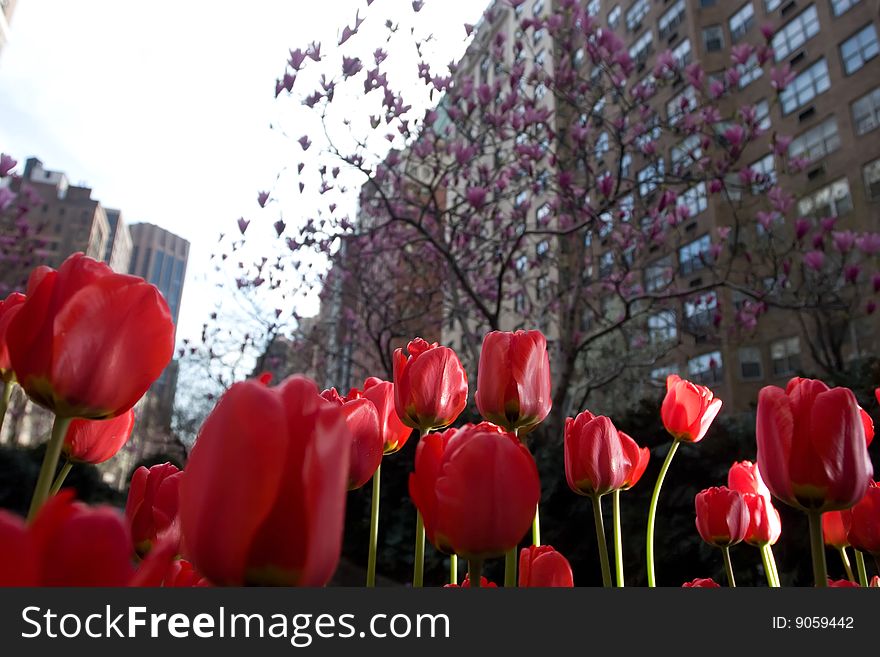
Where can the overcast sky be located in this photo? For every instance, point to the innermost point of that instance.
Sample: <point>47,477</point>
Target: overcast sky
<point>163,108</point>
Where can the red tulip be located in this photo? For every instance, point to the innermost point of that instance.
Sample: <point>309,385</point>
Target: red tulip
<point>835,526</point>
<point>701,583</point>
<point>430,386</point>
<point>868,424</point>
<point>152,505</point>
<point>18,562</point>
<point>513,380</point>
<point>811,445</point>
<point>765,525</point>
<point>8,308</point>
<point>181,574</point>
<point>596,462</point>
<point>70,544</point>
<point>394,432</point>
<point>366,446</point>
<point>466,584</point>
<point>262,499</point>
<point>96,441</point>
<point>637,457</point>
<point>88,342</point>
<point>875,582</point>
<point>476,488</point>
<point>864,532</point>
<point>722,516</point>
<point>688,409</point>
<point>842,584</point>
<point>543,567</point>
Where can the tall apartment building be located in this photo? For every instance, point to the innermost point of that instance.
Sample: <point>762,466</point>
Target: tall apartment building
<point>70,218</point>
<point>160,257</point>
<point>832,111</point>
<point>6,9</point>
<point>118,251</point>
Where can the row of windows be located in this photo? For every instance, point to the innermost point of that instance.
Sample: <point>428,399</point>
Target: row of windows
<point>708,368</point>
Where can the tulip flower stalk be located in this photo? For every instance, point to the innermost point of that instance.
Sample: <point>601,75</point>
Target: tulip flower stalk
<point>600,538</point>
<point>618,540</point>
<point>728,567</point>
<point>770,566</point>
<point>847,566</point>
<point>817,549</point>
<point>50,464</point>
<point>860,567</point>
<point>62,475</point>
<point>374,529</point>
<point>475,572</point>
<point>652,512</point>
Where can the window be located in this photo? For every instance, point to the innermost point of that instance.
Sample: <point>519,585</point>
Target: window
<point>522,199</point>
<point>540,57</point>
<point>650,134</point>
<point>519,303</point>
<point>626,165</point>
<point>635,14</point>
<point>713,38</point>
<point>706,369</point>
<point>671,18</point>
<point>866,112</point>
<point>658,274</point>
<point>749,72</point>
<point>817,142</point>
<point>661,327</point>
<point>741,22</point>
<point>771,5</point>
<point>538,36</point>
<point>606,264</point>
<point>659,374</point>
<point>839,7</point>
<point>542,249</point>
<point>785,355</point>
<point>694,255</point>
<point>602,145</point>
<point>859,49</point>
<point>593,7</point>
<point>806,86</point>
<point>542,213</point>
<point>750,367</point>
<point>762,114</point>
<point>871,174</point>
<point>648,178</point>
<point>538,8</point>
<point>694,199</point>
<point>699,312</point>
<point>681,104</point>
<point>795,33</point>
<point>626,206</point>
<point>682,53</point>
<point>640,50</point>
<point>708,3</point>
<point>686,153</point>
<point>765,174</point>
<point>831,200</point>
<point>543,287</point>
<point>606,224</point>
<point>614,17</point>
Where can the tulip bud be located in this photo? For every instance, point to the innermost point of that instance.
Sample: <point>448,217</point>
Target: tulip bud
<point>864,532</point>
<point>835,526</point>
<point>701,583</point>
<point>688,409</point>
<point>153,500</point>
<point>595,460</point>
<point>543,567</point>
<point>362,419</point>
<point>513,381</point>
<point>430,386</point>
<point>722,516</point>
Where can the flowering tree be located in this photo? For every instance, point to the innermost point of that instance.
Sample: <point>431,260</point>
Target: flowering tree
<point>19,233</point>
<point>529,185</point>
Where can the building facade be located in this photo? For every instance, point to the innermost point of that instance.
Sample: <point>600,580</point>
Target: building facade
<point>160,257</point>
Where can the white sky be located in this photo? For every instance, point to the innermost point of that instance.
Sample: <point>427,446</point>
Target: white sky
<point>163,108</point>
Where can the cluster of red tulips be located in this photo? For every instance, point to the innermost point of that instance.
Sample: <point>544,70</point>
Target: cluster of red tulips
<point>86,343</point>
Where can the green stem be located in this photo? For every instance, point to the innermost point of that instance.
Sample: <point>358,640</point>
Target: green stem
<point>652,512</point>
<point>618,540</point>
<point>769,566</point>
<point>453,569</point>
<point>374,529</point>
<point>600,537</point>
<point>59,480</point>
<point>817,549</point>
<point>536,527</point>
<point>475,572</point>
<point>510,568</point>
<point>844,557</point>
<point>419,567</point>
<point>860,567</point>
<point>728,567</point>
<point>50,464</point>
<point>4,402</point>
